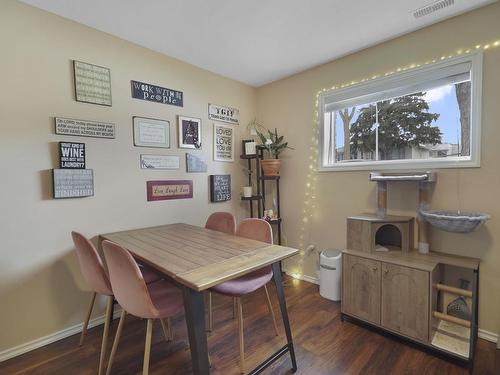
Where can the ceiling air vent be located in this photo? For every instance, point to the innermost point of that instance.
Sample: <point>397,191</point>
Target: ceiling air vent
<point>433,7</point>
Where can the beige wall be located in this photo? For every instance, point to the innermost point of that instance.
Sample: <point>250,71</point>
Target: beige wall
<point>41,290</point>
<point>289,105</point>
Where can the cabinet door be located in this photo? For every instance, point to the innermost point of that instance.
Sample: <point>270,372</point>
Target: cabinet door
<point>405,301</point>
<point>361,288</point>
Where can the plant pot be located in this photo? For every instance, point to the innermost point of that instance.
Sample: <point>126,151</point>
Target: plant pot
<point>271,167</point>
<point>246,191</point>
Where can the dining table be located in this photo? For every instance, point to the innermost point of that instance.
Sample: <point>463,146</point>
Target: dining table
<point>196,259</point>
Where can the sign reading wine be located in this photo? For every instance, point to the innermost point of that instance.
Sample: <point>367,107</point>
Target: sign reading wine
<point>220,187</point>
<point>71,155</point>
<point>157,94</point>
<point>169,189</point>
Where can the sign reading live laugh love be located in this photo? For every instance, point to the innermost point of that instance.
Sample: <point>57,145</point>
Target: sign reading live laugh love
<point>224,114</point>
<point>158,94</point>
<point>84,128</point>
<point>169,189</point>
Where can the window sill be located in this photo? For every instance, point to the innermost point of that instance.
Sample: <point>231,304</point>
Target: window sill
<point>401,164</point>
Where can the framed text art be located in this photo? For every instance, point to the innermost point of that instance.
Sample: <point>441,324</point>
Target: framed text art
<point>224,114</point>
<point>84,128</point>
<point>169,189</point>
<point>150,132</point>
<point>249,147</point>
<point>160,162</point>
<point>92,83</point>
<point>189,130</point>
<point>220,188</point>
<point>223,142</point>
<point>157,94</point>
<point>73,183</point>
<point>71,155</point>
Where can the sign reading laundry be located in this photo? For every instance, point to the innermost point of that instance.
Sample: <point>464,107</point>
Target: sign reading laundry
<point>71,155</point>
<point>224,114</point>
<point>158,94</point>
<point>169,189</point>
<point>84,128</point>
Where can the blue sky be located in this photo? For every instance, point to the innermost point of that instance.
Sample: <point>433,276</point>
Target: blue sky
<point>441,100</point>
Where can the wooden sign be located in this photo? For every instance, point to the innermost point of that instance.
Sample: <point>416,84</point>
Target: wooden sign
<point>170,189</point>
<point>160,162</point>
<point>223,142</point>
<point>92,83</point>
<point>224,114</point>
<point>220,188</point>
<point>84,128</point>
<point>150,132</point>
<point>73,183</point>
<point>71,155</point>
<point>157,94</point>
<point>196,162</point>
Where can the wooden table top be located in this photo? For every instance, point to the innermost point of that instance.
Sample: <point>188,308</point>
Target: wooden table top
<point>197,257</point>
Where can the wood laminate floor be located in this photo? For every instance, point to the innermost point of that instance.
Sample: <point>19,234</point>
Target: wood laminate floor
<point>323,343</point>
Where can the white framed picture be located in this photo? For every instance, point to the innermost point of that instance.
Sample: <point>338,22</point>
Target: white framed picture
<point>189,130</point>
<point>150,132</point>
<point>160,161</point>
<point>223,142</point>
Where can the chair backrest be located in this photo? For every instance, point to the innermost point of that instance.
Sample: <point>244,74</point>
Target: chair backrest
<point>91,265</point>
<point>255,229</point>
<point>128,284</point>
<point>222,222</point>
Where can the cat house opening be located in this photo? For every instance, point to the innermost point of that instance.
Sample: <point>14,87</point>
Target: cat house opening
<point>388,236</point>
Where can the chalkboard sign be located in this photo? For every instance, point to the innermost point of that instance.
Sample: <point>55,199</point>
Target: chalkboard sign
<point>158,94</point>
<point>220,188</point>
<point>71,155</point>
<point>73,183</point>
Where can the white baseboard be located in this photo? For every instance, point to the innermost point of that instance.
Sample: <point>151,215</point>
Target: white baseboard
<point>482,333</point>
<point>53,337</point>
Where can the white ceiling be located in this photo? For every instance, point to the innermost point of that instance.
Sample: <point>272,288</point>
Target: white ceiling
<point>255,42</point>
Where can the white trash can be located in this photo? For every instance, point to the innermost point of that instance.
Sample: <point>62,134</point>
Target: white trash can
<point>330,265</point>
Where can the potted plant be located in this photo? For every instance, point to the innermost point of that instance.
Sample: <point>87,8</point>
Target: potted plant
<point>273,144</point>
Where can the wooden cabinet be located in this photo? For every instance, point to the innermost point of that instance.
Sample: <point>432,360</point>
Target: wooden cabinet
<point>405,301</point>
<point>361,288</point>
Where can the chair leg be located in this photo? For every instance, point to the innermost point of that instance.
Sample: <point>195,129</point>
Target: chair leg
<point>147,347</point>
<point>235,308</point>
<point>170,329</point>
<point>210,316</point>
<point>115,343</point>
<point>270,306</point>
<point>104,343</point>
<point>166,330</point>
<point>240,329</point>
<point>87,318</point>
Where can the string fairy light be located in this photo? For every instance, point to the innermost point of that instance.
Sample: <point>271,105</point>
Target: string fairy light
<point>310,195</point>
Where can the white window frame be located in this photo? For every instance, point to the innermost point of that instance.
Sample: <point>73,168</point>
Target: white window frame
<point>401,82</point>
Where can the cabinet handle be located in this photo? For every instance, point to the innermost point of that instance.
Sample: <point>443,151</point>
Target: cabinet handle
<point>374,269</point>
<point>386,272</point>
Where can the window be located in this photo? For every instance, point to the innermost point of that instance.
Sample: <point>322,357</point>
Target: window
<point>428,117</point>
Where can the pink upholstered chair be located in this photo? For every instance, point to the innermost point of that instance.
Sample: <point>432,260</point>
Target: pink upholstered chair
<point>221,222</point>
<point>95,275</point>
<point>160,300</point>
<point>260,230</point>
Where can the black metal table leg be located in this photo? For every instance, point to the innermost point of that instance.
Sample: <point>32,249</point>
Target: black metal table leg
<point>195,319</point>
<point>284,313</point>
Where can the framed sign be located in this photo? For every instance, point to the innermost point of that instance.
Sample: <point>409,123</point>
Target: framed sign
<point>220,188</point>
<point>149,132</point>
<point>71,155</point>
<point>157,94</point>
<point>170,189</point>
<point>223,142</point>
<point>223,114</point>
<point>84,128</point>
<point>73,183</point>
<point>160,162</point>
<point>189,132</point>
<point>249,147</point>
<point>196,162</point>
<point>92,83</point>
